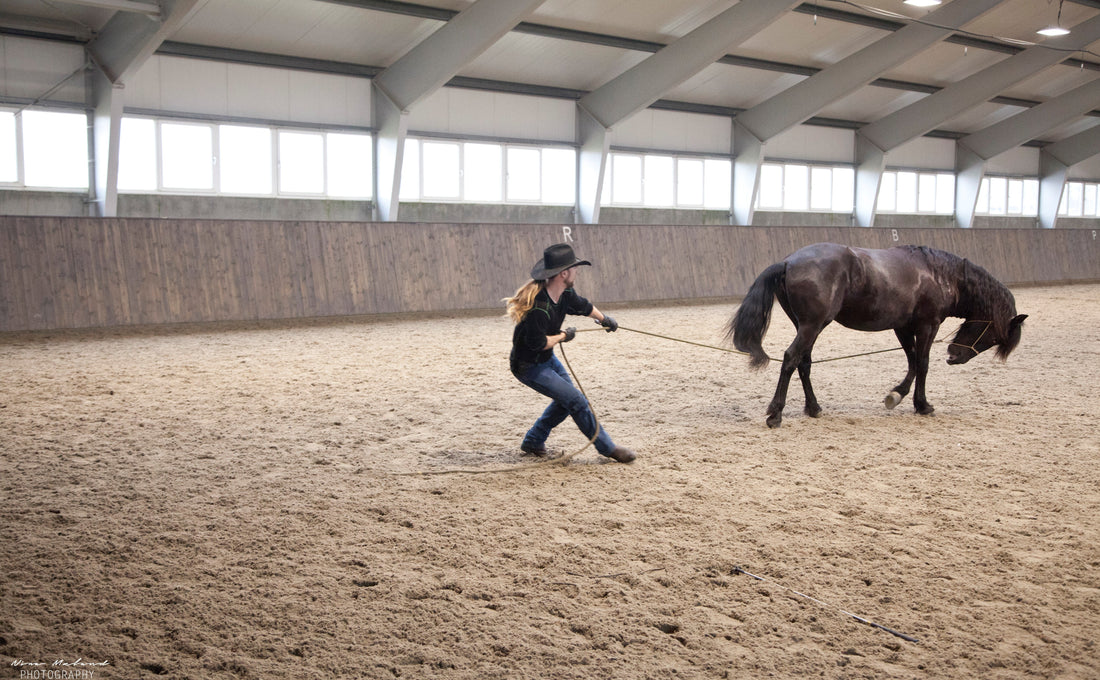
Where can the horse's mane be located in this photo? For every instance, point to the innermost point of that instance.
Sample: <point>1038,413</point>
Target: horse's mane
<point>981,296</point>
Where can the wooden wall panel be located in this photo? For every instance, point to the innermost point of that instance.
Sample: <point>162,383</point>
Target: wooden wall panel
<point>86,272</point>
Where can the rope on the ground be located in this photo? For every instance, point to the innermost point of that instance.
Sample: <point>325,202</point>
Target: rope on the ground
<point>559,460</point>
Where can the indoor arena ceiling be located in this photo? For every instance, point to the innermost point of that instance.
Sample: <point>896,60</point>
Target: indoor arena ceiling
<point>567,48</point>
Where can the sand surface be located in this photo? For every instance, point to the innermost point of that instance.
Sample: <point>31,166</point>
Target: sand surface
<point>232,501</point>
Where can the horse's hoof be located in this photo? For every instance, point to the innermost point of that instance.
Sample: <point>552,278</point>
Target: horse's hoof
<point>926,410</point>
<point>774,421</point>
<point>814,412</point>
<point>892,399</point>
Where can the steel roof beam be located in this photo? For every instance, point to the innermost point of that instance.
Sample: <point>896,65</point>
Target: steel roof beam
<point>640,86</point>
<point>914,120</point>
<point>150,9</point>
<point>438,58</point>
<point>972,151</point>
<point>754,127</point>
<point>1055,161</point>
<point>420,72</point>
<point>875,140</point>
<point>129,39</point>
<point>119,50</point>
<point>799,102</point>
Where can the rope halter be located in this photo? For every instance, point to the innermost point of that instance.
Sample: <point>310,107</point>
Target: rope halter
<point>972,346</point>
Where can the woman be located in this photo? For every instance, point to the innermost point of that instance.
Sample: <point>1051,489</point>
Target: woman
<point>538,309</point>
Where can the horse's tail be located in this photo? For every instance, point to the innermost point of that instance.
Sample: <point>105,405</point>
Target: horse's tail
<point>750,323</point>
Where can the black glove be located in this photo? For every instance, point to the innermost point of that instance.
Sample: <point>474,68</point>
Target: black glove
<point>570,333</point>
<point>610,324</point>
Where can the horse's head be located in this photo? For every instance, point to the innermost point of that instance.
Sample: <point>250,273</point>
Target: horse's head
<point>975,337</point>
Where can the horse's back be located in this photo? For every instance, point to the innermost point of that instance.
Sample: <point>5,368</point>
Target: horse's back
<point>862,288</point>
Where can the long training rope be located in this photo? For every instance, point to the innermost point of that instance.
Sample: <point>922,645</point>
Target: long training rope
<point>770,358</point>
<point>565,458</point>
<point>558,460</point>
<point>903,636</point>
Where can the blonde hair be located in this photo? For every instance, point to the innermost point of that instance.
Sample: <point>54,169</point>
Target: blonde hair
<point>524,299</point>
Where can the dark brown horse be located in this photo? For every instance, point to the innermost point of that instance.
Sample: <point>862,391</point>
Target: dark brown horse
<point>908,289</point>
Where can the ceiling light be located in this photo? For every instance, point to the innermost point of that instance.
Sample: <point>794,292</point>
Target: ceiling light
<point>1053,30</point>
<point>1056,27</point>
<point>922,3</point>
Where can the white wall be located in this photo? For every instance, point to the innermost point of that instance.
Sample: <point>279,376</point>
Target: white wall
<point>674,131</point>
<point>198,86</point>
<point>924,153</point>
<point>30,68</point>
<point>813,143</point>
<point>458,111</point>
<point>1023,160</point>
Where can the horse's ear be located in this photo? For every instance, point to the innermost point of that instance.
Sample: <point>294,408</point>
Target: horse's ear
<point>1015,326</point>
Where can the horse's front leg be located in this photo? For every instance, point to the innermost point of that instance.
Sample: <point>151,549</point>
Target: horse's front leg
<point>907,340</point>
<point>921,350</point>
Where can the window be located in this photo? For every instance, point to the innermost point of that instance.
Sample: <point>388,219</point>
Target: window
<point>482,172</point>
<point>187,156</point>
<point>55,149</point>
<point>546,175</point>
<point>771,186</point>
<point>137,155</point>
<point>559,176</point>
<point>244,155</point>
<point>907,192</point>
<point>888,192</point>
<point>1031,197</point>
<point>1090,200</point>
<point>844,190</point>
<point>1076,199</point>
<point>524,174</point>
<point>796,187</point>
<point>717,184</point>
<point>945,194</point>
<point>440,169</point>
<point>9,149</point>
<point>659,181</point>
<point>911,192</point>
<point>926,193</point>
<point>821,188</point>
<point>348,165</point>
<point>662,181</point>
<point>1015,203</point>
<point>689,181</point>
<point>301,162</point>
<point>249,160</point>
<point>801,187</point>
<point>998,196</point>
<point>1008,196</point>
<point>626,179</point>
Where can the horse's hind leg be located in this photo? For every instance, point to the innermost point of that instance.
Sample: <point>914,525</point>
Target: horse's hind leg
<point>775,408</point>
<point>796,354</point>
<point>812,408</point>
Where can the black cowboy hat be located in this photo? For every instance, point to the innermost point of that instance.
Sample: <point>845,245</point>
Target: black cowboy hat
<point>556,259</point>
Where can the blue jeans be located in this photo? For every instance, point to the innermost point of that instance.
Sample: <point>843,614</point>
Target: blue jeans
<point>552,380</point>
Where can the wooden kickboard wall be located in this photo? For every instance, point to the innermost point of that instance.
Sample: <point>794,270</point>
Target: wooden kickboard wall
<point>90,272</point>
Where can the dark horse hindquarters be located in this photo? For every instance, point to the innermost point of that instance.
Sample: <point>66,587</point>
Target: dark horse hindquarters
<point>908,289</point>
